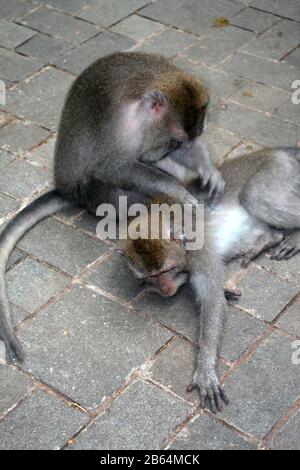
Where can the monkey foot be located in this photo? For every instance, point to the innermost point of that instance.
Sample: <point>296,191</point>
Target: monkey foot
<point>288,248</point>
<point>211,392</point>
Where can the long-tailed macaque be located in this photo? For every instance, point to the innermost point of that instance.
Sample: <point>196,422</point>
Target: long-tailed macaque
<point>121,116</point>
<point>260,209</point>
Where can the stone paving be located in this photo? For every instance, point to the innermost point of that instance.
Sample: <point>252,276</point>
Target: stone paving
<point>107,365</point>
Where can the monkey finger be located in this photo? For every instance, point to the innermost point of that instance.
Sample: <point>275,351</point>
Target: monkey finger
<point>204,179</point>
<point>191,387</point>
<point>218,400</point>
<point>211,401</point>
<point>282,252</point>
<point>223,395</point>
<point>292,253</point>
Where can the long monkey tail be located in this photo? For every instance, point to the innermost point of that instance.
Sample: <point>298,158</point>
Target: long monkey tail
<point>42,207</point>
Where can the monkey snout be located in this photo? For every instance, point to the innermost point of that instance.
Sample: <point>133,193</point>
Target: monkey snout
<point>166,285</point>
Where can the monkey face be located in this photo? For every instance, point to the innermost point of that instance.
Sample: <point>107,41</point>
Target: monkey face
<point>160,268</point>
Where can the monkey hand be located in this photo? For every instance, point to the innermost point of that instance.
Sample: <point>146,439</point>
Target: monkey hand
<point>213,180</point>
<point>211,392</point>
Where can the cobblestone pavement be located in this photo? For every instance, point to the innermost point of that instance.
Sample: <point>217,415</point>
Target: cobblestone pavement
<point>107,365</point>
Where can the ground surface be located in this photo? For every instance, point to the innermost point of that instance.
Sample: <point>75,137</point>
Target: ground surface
<point>107,366</point>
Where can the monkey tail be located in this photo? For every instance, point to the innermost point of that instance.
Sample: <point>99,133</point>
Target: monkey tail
<point>42,207</point>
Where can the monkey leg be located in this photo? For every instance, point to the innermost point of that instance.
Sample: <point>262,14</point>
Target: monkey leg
<point>288,248</point>
<point>265,241</point>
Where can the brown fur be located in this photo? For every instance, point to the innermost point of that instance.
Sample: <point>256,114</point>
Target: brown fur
<point>186,94</point>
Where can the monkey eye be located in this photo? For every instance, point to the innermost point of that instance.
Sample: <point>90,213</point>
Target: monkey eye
<point>175,144</point>
<point>153,276</point>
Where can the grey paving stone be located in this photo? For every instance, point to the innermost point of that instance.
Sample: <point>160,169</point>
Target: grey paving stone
<point>17,137</point>
<point>219,45</point>
<point>289,269</point>
<point>87,222</point>
<point>60,26</point>
<point>290,321</point>
<point>262,97</point>
<point>288,437</point>
<point>107,12</point>
<point>244,148</point>
<point>169,43</point>
<point>177,313</point>
<point>7,205</point>
<point>31,284</point>
<point>264,294</point>
<point>254,125</point>
<point>14,67</point>
<point>65,5</point>
<point>44,48</point>
<point>193,16</point>
<point>91,347</point>
<point>206,434</point>
<point>261,70</point>
<point>42,422</point>
<point>219,83</point>
<point>289,112</point>
<point>17,314</point>
<point>69,214</point>
<point>15,258</point>
<point>41,99</point>
<point>4,118</point>
<point>263,388</point>
<point>277,41</point>
<point>239,333</point>
<point>21,178</point>
<point>12,35</point>
<point>62,246</point>
<point>148,417</point>
<point>294,58</point>
<point>288,8</point>
<point>114,276</point>
<point>137,27</point>
<point>15,8</point>
<point>174,368</point>
<point>13,386</point>
<point>81,57</point>
<point>5,158</point>
<point>255,20</point>
<point>219,142</point>
<point>42,155</point>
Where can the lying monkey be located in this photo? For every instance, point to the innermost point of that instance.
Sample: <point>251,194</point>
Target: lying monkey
<point>260,209</point>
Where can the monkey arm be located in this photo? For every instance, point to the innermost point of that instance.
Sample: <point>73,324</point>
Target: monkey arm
<point>145,179</point>
<point>207,283</point>
<point>195,157</point>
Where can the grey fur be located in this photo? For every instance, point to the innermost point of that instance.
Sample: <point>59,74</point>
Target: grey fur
<point>263,189</point>
<point>93,164</point>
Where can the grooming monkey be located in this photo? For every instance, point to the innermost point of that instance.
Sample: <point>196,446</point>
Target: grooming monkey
<point>260,209</point>
<point>122,115</point>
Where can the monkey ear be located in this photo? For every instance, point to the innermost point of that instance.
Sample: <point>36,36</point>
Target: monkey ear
<point>156,103</point>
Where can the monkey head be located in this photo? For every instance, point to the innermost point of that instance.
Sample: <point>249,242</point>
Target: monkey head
<point>171,112</point>
<point>159,264</point>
